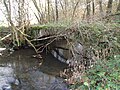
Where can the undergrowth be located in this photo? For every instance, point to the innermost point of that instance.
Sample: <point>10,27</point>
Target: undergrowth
<point>103,41</point>
<point>105,75</point>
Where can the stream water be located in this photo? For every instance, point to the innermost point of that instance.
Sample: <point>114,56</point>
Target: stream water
<point>20,71</point>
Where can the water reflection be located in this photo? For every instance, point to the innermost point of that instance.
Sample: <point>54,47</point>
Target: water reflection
<point>25,73</point>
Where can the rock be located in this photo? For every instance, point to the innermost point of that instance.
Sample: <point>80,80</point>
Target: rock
<point>13,80</point>
<point>57,86</point>
<point>0,54</point>
<point>78,48</point>
<point>7,78</point>
<point>6,87</point>
<point>58,54</point>
<point>17,82</point>
<point>2,49</point>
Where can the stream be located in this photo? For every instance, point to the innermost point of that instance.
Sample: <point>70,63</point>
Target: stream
<point>20,71</point>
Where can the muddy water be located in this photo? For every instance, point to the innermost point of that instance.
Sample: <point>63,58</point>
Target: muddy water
<point>21,71</point>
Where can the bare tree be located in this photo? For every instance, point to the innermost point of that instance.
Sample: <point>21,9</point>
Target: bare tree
<point>48,6</point>
<point>39,15</point>
<point>75,9</point>
<point>93,7</point>
<point>56,9</point>
<point>63,9</point>
<point>21,12</point>
<point>109,7</point>
<point>88,8</point>
<point>118,7</point>
<point>100,7</point>
<point>7,5</point>
<point>19,30</point>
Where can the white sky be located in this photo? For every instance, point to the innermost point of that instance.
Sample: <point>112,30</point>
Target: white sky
<point>2,16</point>
<point>31,8</point>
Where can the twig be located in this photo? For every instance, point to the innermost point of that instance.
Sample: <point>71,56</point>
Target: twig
<point>48,37</point>
<point>5,37</point>
<point>31,44</point>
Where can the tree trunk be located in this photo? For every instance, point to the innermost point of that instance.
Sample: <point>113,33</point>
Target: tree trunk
<point>109,7</point>
<point>100,8</point>
<point>8,9</point>
<point>118,7</point>
<point>93,7</point>
<point>40,16</point>
<point>74,9</point>
<point>56,9</point>
<point>62,6</point>
<point>88,8</point>
<point>7,5</point>
<point>48,6</point>
<point>21,12</point>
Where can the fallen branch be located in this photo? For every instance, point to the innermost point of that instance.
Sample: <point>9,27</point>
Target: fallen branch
<point>5,37</point>
<point>46,45</point>
<point>31,44</point>
<point>54,36</point>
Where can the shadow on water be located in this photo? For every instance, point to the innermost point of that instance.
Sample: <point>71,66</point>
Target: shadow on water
<point>22,72</point>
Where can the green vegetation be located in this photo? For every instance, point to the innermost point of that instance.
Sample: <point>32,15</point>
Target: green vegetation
<point>103,41</point>
<point>100,36</point>
<point>105,75</point>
